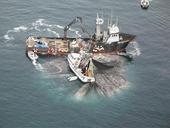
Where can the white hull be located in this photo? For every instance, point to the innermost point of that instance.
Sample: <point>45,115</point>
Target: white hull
<point>144,4</point>
<point>78,72</point>
<point>32,56</point>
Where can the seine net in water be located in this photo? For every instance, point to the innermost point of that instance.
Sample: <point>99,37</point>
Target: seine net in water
<point>56,66</point>
<point>111,79</point>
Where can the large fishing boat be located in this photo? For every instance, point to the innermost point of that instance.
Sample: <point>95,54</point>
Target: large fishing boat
<point>110,40</point>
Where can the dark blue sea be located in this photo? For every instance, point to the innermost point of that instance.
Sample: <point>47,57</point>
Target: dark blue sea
<point>33,98</point>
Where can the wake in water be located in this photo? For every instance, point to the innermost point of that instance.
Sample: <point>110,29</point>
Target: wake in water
<point>10,33</point>
<point>37,28</point>
<point>39,67</point>
<point>133,49</point>
<point>54,68</point>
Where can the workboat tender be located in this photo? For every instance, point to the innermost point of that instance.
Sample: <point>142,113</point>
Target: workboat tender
<point>83,69</point>
<point>32,56</point>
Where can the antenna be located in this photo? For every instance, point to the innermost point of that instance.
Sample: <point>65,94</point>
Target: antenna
<point>116,21</point>
<point>102,14</point>
<point>97,15</point>
<point>108,22</point>
<point>101,10</point>
<point>111,18</point>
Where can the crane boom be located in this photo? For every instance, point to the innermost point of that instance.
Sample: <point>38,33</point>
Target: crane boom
<point>77,19</point>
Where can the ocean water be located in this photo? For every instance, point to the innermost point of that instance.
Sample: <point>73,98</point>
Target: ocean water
<point>32,97</point>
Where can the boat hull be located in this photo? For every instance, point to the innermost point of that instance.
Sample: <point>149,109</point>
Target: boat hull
<point>144,4</point>
<point>32,56</point>
<point>59,46</point>
<point>144,7</point>
<point>78,73</point>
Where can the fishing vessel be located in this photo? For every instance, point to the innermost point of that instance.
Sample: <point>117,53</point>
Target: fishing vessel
<point>83,69</point>
<point>144,4</point>
<point>109,40</point>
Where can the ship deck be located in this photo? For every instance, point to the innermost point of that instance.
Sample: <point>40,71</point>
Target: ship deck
<point>61,46</point>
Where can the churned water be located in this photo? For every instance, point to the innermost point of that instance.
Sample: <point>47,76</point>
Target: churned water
<point>39,97</point>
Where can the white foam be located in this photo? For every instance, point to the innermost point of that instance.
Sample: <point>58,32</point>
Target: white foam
<point>59,26</point>
<point>77,33</point>
<point>72,30</point>
<point>20,28</point>
<point>135,50</point>
<point>7,37</point>
<point>38,22</point>
<point>9,34</point>
<point>53,32</point>
<point>37,26</point>
<point>39,67</point>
